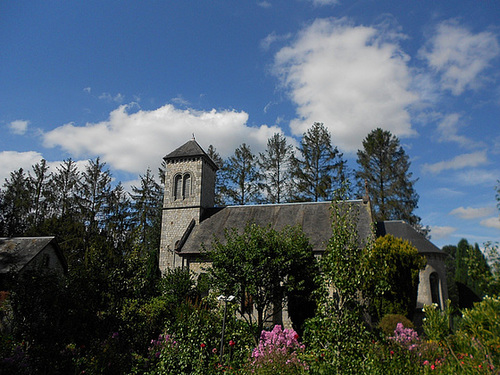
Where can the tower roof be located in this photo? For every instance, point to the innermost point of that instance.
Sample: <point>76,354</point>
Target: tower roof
<point>189,149</point>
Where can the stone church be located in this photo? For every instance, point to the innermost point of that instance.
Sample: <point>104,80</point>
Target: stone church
<point>191,219</point>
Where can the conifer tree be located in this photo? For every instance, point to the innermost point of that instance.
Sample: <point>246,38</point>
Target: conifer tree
<point>319,169</point>
<point>95,188</point>
<point>219,176</point>
<point>65,184</point>
<point>384,170</point>
<point>274,163</point>
<point>15,204</point>
<point>41,192</point>
<point>241,177</point>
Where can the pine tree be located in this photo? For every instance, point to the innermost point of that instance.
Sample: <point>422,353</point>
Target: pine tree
<point>219,177</point>
<point>95,189</point>
<point>65,184</point>
<point>41,192</point>
<point>274,163</point>
<point>241,177</point>
<point>118,223</point>
<point>384,168</point>
<point>147,203</point>
<point>319,169</point>
<point>146,215</point>
<point>16,204</point>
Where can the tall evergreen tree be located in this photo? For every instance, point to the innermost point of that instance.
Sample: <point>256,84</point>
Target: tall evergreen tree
<point>384,168</point>
<point>94,194</point>
<point>219,177</point>
<point>241,177</point>
<point>274,163</point>
<point>41,192</point>
<point>147,203</point>
<point>319,169</point>
<point>65,184</point>
<point>146,214</point>
<point>16,204</point>
<point>118,222</point>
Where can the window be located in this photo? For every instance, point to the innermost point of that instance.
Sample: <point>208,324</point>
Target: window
<point>434,281</point>
<point>186,186</point>
<point>178,187</point>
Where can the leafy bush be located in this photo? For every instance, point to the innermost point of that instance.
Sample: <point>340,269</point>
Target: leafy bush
<point>390,321</point>
<point>278,352</point>
<point>437,323</point>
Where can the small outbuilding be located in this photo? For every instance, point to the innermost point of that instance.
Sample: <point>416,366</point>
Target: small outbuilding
<point>20,254</point>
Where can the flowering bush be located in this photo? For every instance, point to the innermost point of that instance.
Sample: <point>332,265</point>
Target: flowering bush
<point>278,352</point>
<point>405,337</point>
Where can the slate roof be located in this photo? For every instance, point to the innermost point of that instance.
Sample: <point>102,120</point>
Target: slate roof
<point>189,149</point>
<point>313,217</point>
<point>17,252</point>
<point>403,230</point>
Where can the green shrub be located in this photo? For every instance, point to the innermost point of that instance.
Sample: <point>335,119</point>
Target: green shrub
<point>437,323</point>
<point>389,322</point>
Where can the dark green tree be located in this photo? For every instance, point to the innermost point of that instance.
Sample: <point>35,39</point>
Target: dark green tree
<point>94,194</point>
<point>147,203</point>
<point>396,266</point>
<point>219,177</point>
<point>263,268</point>
<point>319,169</point>
<point>450,264</point>
<point>384,171</point>
<point>118,221</point>
<point>42,196</point>
<point>274,163</point>
<point>241,177</point>
<point>65,184</point>
<point>337,333</point>
<point>15,206</point>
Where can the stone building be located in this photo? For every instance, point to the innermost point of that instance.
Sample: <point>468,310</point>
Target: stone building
<point>191,219</point>
<point>21,254</point>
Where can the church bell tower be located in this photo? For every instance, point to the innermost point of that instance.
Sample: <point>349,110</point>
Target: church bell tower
<point>189,189</point>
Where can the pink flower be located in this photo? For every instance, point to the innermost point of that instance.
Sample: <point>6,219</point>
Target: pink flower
<point>433,367</point>
<point>426,362</point>
<point>232,343</point>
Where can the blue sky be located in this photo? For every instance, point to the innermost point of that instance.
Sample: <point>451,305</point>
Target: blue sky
<point>130,81</point>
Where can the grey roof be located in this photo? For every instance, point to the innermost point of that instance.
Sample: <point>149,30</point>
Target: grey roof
<point>189,149</point>
<point>17,252</point>
<point>314,218</point>
<point>403,230</point>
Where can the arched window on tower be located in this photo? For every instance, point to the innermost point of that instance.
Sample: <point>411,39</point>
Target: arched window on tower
<point>186,186</point>
<point>178,187</point>
<point>435,295</point>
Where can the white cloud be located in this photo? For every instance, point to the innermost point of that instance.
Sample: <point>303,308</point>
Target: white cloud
<point>133,141</point>
<point>472,213</point>
<point>492,222</point>
<point>448,132</point>
<point>324,2</point>
<point>438,232</point>
<point>118,98</point>
<point>11,161</point>
<point>88,90</point>
<point>264,4</point>
<point>478,177</point>
<point>19,126</point>
<point>265,43</point>
<point>461,161</point>
<point>459,55</point>
<point>351,78</point>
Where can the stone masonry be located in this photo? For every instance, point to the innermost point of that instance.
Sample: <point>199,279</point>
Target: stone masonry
<point>184,205</point>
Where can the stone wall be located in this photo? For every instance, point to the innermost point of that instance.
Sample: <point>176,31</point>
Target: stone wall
<point>178,212</point>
